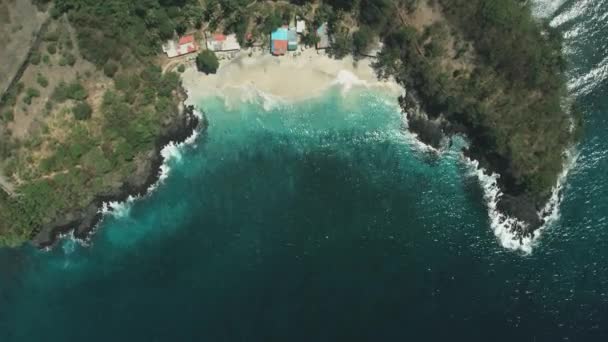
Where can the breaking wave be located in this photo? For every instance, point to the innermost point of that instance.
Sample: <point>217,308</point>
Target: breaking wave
<point>506,228</point>
<point>588,82</point>
<point>171,153</point>
<point>546,9</point>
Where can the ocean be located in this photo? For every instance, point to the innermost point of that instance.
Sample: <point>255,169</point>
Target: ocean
<point>325,220</point>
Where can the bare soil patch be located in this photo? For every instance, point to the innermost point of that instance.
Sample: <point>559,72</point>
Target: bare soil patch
<point>20,20</point>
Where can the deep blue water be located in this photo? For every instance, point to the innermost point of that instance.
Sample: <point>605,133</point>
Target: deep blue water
<point>323,221</point>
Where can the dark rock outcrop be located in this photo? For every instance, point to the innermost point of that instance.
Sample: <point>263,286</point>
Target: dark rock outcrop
<point>177,128</point>
<point>513,202</point>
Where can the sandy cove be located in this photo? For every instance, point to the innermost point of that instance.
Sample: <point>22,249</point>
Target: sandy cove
<point>295,76</point>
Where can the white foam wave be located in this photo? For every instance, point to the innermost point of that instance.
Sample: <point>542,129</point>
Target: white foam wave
<point>578,9</point>
<point>551,211</point>
<point>173,152</point>
<point>547,8</point>
<point>121,209</point>
<point>269,101</point>
<point>347,80</point>
<point>504,226</point>
<point>69,242</point>
<point>501,224</point>
<point>250,94</point>
<point>586,83</point>
<point>118,209</point>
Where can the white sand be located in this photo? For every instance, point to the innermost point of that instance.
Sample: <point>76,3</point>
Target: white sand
<point>288,77</point>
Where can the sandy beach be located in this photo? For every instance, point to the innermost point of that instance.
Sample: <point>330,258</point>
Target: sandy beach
<point>291,77</point>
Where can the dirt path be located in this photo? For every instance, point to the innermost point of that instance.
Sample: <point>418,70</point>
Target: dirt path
<point>6,186</point>
<point>20,21</point>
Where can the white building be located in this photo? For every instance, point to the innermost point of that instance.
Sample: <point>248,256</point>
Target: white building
<point>219,42</point>
<point>184,46</point>
<point>300,26</point>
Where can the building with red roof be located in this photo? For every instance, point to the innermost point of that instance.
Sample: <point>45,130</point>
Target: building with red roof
<point>279,41</point>
<point>185,45</point>
<point>223,43</point>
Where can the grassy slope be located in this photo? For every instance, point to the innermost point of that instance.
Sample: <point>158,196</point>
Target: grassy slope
<point>61,163</point>
<point>509,99</point>
<point>484,65</point>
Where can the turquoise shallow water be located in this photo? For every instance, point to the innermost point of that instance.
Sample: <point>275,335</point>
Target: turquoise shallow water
<point>323,221</point>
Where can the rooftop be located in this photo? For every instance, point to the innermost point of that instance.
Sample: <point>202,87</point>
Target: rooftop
<point>220,42</point>
<point>279,34</point>
<point>186,39</point>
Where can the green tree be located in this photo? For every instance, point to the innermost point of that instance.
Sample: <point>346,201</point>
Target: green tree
<point>70,59</point>
<point>8,115</point>
<point>207,62</point>
<point>272,21</point>
<point>363,39</point>
<point>30,93</point>
<point>110,68</point>
<point>342,45</point>
<point>345,5</point>
<point>52,48</point>
<point>42,81</point>
<point>35,58</point>
<point>82,111</point>
<point>310,39</point>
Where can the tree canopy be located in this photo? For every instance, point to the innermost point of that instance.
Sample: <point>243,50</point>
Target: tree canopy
<point>207,62</point>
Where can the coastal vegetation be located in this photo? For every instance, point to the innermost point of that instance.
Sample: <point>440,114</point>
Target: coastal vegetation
<point>93,99</point>
<point>485,68</point>
<point>107,104</point>
<point>490,70</point>
<point>207,62</point>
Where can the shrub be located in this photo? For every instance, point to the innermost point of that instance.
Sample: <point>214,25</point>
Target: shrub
<point>342,45</point>
<point>43,81</point>
<point>72,91</point>
<point>310,39</point>
<point>35,58</point>
<point>52,36</point>
<point>46,59</point>
<point>207,62</point>
<point>70,59</point>
<point>8,116</point>
<point>110,68</point>
<point>181,68</point>
<point>362,39</point>
<point>82,111</point>
<point>30,93</point>
<point>52,48</point>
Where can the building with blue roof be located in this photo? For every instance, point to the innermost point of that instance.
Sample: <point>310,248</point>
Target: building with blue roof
<point>279,41</point>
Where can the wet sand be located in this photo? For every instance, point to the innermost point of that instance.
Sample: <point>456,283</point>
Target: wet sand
<point>291,77</point>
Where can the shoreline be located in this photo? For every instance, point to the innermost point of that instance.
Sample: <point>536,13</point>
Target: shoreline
<point>311,73</point>
<point>516,221</point>
<point>83,221</point>
<point>298,76</point>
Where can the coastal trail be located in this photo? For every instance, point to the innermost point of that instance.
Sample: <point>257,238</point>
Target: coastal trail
<point>6,186</point>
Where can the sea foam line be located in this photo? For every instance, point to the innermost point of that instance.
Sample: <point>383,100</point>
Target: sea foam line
<point>120,209</point>
<point>503,225</point>
<point>171,151</point>
<point>547,8</point>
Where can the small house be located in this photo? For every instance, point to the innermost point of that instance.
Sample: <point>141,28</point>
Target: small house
<point>292,40</point>
<point>300,26</point>
<point>185,45</point>
<point>223,43</point>
<point>279,41</point>
<point>323,34</point>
